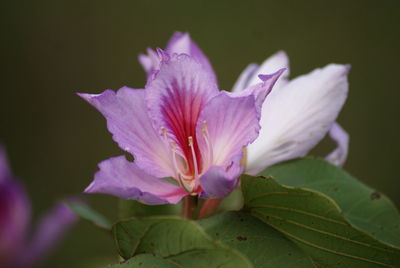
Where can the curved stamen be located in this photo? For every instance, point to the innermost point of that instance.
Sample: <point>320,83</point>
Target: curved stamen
<point>182,184</point>
<point>196,170</point>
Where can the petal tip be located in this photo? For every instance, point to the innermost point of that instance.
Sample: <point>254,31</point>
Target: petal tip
<point>275,75</point>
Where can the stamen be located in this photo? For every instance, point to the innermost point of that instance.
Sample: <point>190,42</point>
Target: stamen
<point>174,160</point>
<point>196,171</point>
<point>164,131</point>
<point>182,184</point>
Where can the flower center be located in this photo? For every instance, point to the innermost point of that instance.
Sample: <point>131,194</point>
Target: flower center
<point>187,166</point>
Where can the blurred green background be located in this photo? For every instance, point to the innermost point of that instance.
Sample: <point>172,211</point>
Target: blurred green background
<point>52,49</point>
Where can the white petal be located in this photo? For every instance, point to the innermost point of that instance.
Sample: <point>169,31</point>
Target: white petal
<point>339,155</point>
<point>277,61</point>
<point>243,81</point>
<point>295,117</point>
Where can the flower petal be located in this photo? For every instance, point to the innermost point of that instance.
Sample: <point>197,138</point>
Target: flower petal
<point>225,126</point>
<point>14,220</point>
<point>14,213</point>
<point>261,90</point>
<point>128,121</point>
<point>181,43</point>
<point>219,181</point>
<point>276,62</point>
<point>175,98</point>
<point>125,179</point>
<point>243,81</point>
<point>4,167</point>
<point>48,233</point>
<point>339,155</point>
<point>296,117</point>
<point>150,62</point>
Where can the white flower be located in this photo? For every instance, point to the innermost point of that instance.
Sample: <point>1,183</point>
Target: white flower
<point>297,114</point>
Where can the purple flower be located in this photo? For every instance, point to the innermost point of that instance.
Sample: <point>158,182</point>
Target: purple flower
<point>17,248</point>
<point>297,114</point>
<point>180,126</point>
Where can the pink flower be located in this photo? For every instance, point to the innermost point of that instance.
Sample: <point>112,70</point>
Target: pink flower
<point>179,126</point>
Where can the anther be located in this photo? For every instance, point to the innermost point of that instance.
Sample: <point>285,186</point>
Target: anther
<point>204,130</point>
<point>164,131</point>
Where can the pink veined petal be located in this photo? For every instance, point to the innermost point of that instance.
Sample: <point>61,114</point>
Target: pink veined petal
<point>219,181</point>
<point>128,121</point>
<point>125,179</point>
<point>175,98</point>
<point>244,78</point>
<point>339,155</point>
<point>50,229</point>
<point>297,116</point>
<point>226,125</point>
<point>181,43</point>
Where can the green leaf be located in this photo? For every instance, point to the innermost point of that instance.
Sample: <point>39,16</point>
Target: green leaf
<point>132,208</point>
<point>146,261</point>
<point>362,206</point>
<point>87,213</point>
<point>315,223</point>
<point>182,242</point>
<point>261,244</point>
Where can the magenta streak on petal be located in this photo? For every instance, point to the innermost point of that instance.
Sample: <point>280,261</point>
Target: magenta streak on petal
<point>182,117</point>
<point>175,98</point>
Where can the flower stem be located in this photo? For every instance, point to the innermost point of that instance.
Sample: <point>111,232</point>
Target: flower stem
<point>187,210</point>
<point>209,207</point>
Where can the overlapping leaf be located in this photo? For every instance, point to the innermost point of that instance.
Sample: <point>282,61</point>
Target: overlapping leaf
<point>230,239</point>
<point>316,224</point>
<point>362,206</point>
<point>179,241</point>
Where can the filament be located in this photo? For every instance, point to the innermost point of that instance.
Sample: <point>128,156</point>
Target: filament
<point>196,171</point>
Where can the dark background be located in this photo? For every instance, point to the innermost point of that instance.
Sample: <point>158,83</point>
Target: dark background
<point>52,49</point>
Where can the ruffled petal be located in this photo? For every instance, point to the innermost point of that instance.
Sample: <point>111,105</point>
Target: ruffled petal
<point>339,155</point>
<point>128,121</point>
<point>125,179</point>
<point>226,125</point>
<point>181,43</point>
<point>175,98</point>
<point>243,81</point>
<point>297,116</point>
<point>150,62</point>
<point>51,227</point>
<point>219,181</point>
